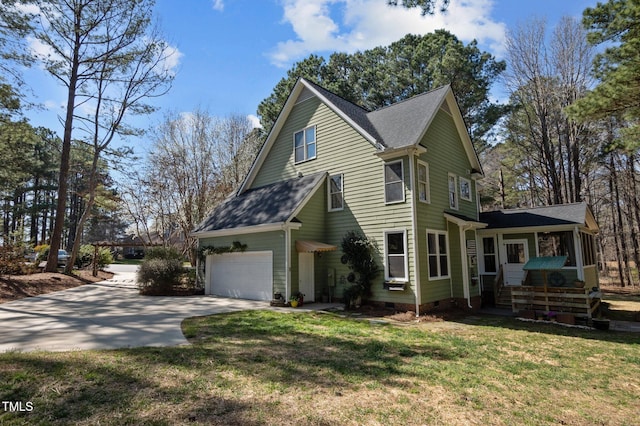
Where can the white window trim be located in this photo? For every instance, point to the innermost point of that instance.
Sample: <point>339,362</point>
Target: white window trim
<point>455,190</point>
<point>329,192</point>
<point>468,182</point>
<point>384,178</point>
<point>406,255</point>
<point>428,191</point>
<point>304,144</point>
<point>495,254</point>
<point>448,253</point>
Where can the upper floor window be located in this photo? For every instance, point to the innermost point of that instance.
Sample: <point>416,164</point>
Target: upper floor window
<point>424,193</point>
<point>336,197</point>
<point>393,182</point>
<point>304,144</point>
<point>453,192</point>
<point>465,189</point>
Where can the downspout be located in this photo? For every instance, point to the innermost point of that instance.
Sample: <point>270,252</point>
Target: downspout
<point>287,260</point>
<point>465,264</point>
<point>450,274</point>
<point>414,231</point>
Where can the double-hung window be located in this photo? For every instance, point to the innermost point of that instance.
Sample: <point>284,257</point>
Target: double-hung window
<point>489,255</point>
<point>393,182</point>
<point>304,144</point>
<point>453,192</point>
<point>423,182</point>
<point>465,189</point>
<point>336,197</point>
<point>438,254</point>
<point>395,248</point>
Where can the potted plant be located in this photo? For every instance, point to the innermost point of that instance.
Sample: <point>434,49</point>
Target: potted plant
<point>578,283</point>
<point>293,301</point>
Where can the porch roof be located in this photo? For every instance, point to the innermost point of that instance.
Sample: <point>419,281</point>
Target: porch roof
<point>557,215</point>
<point>306,246</point>
<point>462,220</point>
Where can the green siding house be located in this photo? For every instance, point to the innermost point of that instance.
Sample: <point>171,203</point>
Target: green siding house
<point>404,175</point>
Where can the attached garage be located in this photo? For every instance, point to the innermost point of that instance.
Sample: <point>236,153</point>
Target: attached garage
<point>245,275</point>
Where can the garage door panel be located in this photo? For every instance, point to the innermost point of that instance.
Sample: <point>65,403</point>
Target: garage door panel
<point>247,275</point>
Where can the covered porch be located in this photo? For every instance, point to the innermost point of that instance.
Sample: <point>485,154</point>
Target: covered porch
<point>516,237</point>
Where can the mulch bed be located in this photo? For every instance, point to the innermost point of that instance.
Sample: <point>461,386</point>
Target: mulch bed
<point>14,287</point>
<point>368,311</point>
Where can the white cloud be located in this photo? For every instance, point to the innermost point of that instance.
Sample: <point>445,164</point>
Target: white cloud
<point>352,25</point>
<point>51,105</point>
<point>255,121</point>
<point>218,5</point>
<point>171,58</point>
<point>40,49</point>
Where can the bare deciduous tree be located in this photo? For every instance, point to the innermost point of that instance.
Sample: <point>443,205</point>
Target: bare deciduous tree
<point>196,160</point>
<point>108,58</point>
<point>543,80</point>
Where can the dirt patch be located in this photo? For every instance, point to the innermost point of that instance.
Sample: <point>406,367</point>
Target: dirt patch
<point>14,287</point>
<point>367,311</point>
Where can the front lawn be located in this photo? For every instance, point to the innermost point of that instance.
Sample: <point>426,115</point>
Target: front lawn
<point>266,367</point>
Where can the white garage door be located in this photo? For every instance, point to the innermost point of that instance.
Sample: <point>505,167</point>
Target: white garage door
<point>247,275</point>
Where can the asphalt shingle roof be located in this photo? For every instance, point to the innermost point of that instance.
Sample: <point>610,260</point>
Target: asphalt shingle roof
<point>270,204</point>
<point>561,214</point>
<point>402,123</point>
<point>395,126</point>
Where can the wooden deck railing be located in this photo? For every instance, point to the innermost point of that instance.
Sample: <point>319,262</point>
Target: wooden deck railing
<point>579,301</point>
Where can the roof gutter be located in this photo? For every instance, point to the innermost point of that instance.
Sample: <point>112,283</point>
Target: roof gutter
<point>390,153</point>
<point>267,227</point>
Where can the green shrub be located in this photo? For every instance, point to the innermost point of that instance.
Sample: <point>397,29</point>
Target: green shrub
<point>359,253</point>
<point>42,252</point>
<point>85,256</point>
<point>157,277</point>
<point>163,253</point>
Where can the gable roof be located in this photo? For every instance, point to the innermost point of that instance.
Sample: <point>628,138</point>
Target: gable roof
<point>273,204</point>
<point>404,123</point>
<point>398,126</point>
<point>576,214</point>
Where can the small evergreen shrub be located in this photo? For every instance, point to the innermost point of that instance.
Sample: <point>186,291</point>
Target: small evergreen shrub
<point>359,253</point>
<point>158,277</point>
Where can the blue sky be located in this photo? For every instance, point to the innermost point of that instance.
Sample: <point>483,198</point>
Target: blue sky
<point>231,53</point>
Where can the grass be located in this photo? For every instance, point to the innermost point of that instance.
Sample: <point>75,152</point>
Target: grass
<point>266,367</point>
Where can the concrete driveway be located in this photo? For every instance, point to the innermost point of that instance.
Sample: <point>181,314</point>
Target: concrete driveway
<point>105,315</point>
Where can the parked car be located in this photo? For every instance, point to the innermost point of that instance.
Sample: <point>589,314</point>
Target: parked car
<point>63,256</point>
